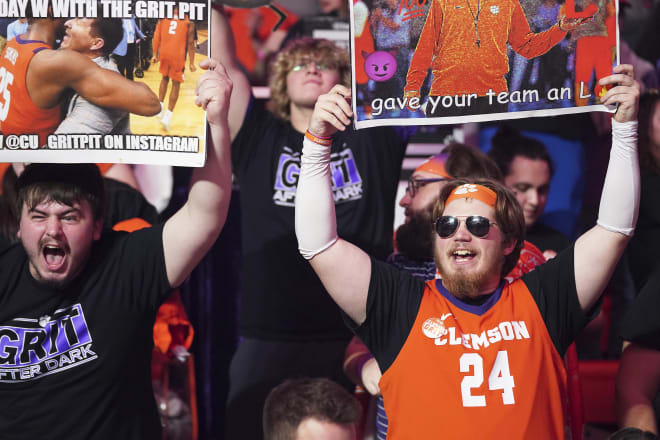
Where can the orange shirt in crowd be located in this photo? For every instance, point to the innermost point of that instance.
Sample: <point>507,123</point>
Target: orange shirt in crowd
<point>495,375</point>
<point>448,45</point>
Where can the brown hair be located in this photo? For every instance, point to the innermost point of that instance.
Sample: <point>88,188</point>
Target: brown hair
<point>466,161</point>
<point>508,143</point>
<point>508,215</point>
<point>62,183</point>
<point>321,50</point>
<point>647,104</point>
<point>295,400</point>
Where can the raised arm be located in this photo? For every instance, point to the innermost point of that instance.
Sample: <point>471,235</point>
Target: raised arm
<point>529,44</point>
<point>53,71</point>
<point>344,269</point>
<point>190,232</point>
<point>224,50</point>
<point>598,250</point>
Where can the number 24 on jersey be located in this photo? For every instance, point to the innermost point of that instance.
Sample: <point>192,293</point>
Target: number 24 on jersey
<point>499,379</point>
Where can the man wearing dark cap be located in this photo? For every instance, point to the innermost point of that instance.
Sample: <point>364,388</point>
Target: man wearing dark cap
<point>77,303</point>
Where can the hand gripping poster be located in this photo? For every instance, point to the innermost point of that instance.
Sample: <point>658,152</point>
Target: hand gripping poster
<point>419,62</point>
<point>109,81</point>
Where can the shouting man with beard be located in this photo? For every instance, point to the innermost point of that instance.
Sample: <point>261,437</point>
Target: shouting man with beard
<point>471,355</point>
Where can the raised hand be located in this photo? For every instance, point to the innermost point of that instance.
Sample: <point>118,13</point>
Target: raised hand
<point>624,91</point>
<point>332,112</point>
<point>213,91</point>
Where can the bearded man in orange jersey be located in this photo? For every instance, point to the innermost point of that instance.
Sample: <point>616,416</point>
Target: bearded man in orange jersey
<point>471,355</point>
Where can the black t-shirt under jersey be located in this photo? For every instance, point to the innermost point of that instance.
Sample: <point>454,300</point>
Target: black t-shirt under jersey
<point>546,238</point>
<point>76,363</point>
<point>281,296</point>
<point>395,296</point>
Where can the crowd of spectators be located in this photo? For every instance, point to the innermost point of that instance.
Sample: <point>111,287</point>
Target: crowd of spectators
<point>279,325</point>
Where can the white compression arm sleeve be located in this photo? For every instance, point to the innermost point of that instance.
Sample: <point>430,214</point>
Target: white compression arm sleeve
<point>619,202</point>
<point>316,222</point>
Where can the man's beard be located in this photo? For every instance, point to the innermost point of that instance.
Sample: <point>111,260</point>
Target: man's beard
<point>414,239</point>
<point>468,285</point>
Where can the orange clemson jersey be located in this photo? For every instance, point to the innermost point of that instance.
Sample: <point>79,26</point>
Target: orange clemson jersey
<point>462,374</point>
<point>18,114</point>
<point>170,38</point>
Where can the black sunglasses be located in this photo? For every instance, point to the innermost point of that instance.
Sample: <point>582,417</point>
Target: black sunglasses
<point>478,226</point>
<point>415,184</point>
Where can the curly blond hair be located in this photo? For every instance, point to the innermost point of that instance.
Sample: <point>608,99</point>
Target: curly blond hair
<point>305,48</point>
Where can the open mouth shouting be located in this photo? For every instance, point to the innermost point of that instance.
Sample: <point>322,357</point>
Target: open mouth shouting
<point>54,256</point>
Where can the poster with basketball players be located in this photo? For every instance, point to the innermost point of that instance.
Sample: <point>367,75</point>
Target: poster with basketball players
<point>106,82</point>
<point>419,62</point>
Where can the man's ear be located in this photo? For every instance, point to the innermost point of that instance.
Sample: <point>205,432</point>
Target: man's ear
<point>509,247</point>
<point>97,44</point>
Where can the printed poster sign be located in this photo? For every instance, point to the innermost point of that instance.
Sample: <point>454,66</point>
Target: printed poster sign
<point>109,81</point>
<point>419,62</point>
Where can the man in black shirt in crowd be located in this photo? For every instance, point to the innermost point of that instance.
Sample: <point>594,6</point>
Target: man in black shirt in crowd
<point>77,304</point>
<point>288,324</point>
<point>527,169</point>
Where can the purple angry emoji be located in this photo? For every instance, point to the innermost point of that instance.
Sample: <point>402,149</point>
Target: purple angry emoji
<point>380,65</point>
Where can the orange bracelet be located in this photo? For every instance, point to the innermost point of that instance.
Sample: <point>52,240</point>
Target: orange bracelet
<point>318,140</point>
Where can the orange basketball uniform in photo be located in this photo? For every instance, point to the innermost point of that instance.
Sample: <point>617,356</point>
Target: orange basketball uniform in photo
<point>171,38</point>
<point>18,114</point>
<point>465,58</point>
<point>494,375</point>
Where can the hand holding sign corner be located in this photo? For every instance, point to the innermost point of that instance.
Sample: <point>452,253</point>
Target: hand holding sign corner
<point>213,91</point>
<point>331,112</point>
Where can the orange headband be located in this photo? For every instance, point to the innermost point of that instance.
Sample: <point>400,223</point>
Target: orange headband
<point>473,191</point>
<point>435,165</point>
